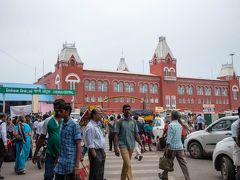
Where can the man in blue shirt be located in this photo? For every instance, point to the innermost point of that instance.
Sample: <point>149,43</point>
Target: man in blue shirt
<point>174,147</point>
<point>95,143</point>
<point>67,167</point>
<point>200,122</point>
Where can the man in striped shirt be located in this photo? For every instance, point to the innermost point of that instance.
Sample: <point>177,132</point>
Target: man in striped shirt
<point>174,146</point>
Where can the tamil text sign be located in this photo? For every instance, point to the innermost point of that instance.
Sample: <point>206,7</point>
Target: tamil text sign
<point>11,90</point>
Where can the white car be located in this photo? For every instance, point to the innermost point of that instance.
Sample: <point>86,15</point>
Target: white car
<point>158,128</point>
<point>203,142</point>
<point>222,158</point>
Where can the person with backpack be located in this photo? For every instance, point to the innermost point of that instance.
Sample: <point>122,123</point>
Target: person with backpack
<point>126,133</point>
<point>3,140</point>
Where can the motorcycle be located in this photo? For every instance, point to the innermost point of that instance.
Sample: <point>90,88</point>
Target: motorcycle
<point>41,156</point>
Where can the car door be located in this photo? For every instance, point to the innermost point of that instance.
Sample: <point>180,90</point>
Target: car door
<point>216,133</point>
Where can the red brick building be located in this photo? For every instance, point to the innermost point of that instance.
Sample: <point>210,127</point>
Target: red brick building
<point>160,88</point>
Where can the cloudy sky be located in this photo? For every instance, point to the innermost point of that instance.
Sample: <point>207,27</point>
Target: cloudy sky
<point>200,33</point>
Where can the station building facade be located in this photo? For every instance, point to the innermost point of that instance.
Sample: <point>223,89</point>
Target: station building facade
<point>160,89</point>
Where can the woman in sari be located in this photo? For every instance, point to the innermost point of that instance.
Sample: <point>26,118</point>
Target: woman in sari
<point>23,145</point>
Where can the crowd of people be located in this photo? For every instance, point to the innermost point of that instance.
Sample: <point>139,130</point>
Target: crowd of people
<point>69,141</point>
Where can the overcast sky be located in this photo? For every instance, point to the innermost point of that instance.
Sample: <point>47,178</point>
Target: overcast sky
<point>200,33</point>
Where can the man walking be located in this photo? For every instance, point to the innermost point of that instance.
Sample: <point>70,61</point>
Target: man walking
<point>174,147</point>
<point>111,132</point>
<point>95,142</point>
<point>51,127</point>
<point>235,128</point>
<point>126,133</point>
<point>3,140</point>
<point>67,167</point>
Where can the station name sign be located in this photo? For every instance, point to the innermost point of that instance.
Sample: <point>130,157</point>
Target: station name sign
<point>13,90</point>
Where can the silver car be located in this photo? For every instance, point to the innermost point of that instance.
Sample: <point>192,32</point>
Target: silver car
<point>203,142</point>
<point>223,158</point>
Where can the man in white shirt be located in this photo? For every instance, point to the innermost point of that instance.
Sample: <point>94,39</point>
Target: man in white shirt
<point>3,140</point>
<point>95,142</point>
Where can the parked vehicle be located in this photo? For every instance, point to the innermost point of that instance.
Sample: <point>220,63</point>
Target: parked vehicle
<point>41,156</point>
<point>203,142</point>
<point>158,127</point>
<point>223,158</point>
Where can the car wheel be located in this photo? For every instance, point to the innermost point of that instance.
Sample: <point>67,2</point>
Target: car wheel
<point>227,169</point>
<point>195,150</point>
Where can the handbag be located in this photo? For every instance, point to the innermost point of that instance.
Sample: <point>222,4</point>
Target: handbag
<point>165,164</point>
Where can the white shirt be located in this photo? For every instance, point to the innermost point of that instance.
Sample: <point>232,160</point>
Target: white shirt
<point>35,124</point>
<point>39,128</point>
<point>3,130</point>
<point>45,125</point>
<point>94,136</point>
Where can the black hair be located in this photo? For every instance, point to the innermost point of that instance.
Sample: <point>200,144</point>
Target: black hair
<point>239,111</point>
<point>118,116</point>
<point>45,116</point>
<point>58,104</point>
<point>175,115</point>
<point>21,119</point>
<point>111,118</point>
<point>93,112</point>
<point>2,115</point>
<point>125,106</point>
<point>135,117</point>
<point>67,107</point>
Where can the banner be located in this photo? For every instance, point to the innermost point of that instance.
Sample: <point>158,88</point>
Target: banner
<point>208,108</point>
<point>20,110</point>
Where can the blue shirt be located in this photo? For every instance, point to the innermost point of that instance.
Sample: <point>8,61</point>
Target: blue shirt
<point>174,136</point>
<point>200,119</point>
<point>94,136</point>
<point>69,133</point>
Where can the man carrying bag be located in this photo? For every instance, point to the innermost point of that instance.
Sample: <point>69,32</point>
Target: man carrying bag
<point>174,148</point>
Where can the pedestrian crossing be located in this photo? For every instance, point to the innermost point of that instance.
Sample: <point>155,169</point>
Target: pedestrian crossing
<point>147,169</point>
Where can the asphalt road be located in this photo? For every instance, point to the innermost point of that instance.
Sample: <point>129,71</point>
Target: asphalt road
<point>146,169</point>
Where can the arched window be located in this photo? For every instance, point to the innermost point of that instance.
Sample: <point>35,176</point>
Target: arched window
<point>155,89</point>
<point>105,86</point>
<point>166,71</point>
<point>120,87</point>
<point>182,89</point>
<point>57,81</point>
<point>72,79</point>
<point>172,72</point>
<point>217,91</point>
<point>187,89</point>
<point>86,85</point>
<point>127,87</point>
<point>235,92</point>
<point>115,87</point>
<point>131,87</point>
<point>190,90</point>
<point>179,89</point>
<point>100,86</point>
<point>93,86</point>
<point>151,88</point>
<point>145,88</point>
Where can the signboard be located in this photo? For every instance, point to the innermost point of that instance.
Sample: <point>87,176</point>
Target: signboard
<point>20,110</point>
<point>158,109</point>
<point>208,108</point>
<point>12,90</point>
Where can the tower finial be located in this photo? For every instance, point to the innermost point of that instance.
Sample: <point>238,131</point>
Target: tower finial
<point>122,52</point>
